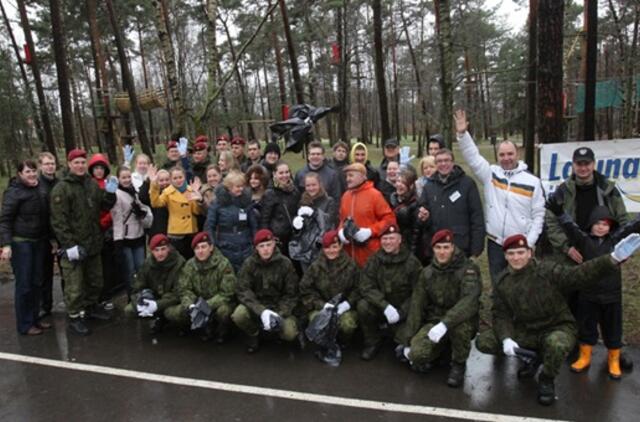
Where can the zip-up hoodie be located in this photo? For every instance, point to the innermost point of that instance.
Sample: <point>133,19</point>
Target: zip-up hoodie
<point>513,199</point>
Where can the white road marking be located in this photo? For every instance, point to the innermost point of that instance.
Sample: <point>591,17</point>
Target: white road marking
<point>272,392</point>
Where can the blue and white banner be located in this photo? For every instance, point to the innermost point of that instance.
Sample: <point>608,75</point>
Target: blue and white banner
<point>617,159</point>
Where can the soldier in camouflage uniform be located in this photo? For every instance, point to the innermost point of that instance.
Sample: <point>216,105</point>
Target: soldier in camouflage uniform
<point>268,293</point>
<point>159,273</point>
<point>208,275</point>
<point>76,202</point>
<point>530,308</point>
<point>333,272</point>
<point>386,285</point>
<point>444,309</point>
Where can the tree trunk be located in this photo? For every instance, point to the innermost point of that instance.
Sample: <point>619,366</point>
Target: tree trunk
<point>282,89</point>
<point>35,69</point>
<point>102,81</point>
<point>59,51</point>
<point>82,138</point>
<point>362,114</point>
<point>128,79</point>
<point>589,64</point>
<point>396,89</point>
<point>145,75</point>
<point>550,41</point>
<point>168,54</point>
<point>212,49</point>
<point>343,74</point>
<point>443,29</point>
<point>376,5</point>
<point>530,130</point>
<point>293,60</point>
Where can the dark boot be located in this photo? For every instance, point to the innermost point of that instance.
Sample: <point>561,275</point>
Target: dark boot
<point>157,325</point>
<point>222,333</point>
<point>78,326</point>
<point>546,390</point>
<point>456,375</point>
<point>370,352</point>
<point>626,363</point>
<point>529,369</point>
<point>98,312</point>
<point>302,340</point>
<point>252,343</point>
<point>422,368</point>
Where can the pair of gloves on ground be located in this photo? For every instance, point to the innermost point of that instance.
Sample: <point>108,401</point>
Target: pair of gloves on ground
<point>147,308</point>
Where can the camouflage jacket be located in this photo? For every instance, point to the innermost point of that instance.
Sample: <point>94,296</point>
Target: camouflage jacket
<point>324,279</point>
<point>212,280</point>
<point>161,278</point>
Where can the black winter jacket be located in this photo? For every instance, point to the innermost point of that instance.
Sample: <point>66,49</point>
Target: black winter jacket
<point>278,209</point>
<point>25,213</point>
<point>455,205</point>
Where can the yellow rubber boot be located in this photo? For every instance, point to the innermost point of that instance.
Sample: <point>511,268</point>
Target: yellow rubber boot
<point>614,364</point>
<point>584,360</point>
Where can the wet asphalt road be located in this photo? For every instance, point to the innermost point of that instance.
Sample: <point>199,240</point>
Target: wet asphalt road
<point>34,392</point>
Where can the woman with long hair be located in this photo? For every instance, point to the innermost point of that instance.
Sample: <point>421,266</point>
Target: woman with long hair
<point>258,180</point>
<point>280,204</point>
<point>24,237</point>
<point>227,163</point>
<point>404,203</point>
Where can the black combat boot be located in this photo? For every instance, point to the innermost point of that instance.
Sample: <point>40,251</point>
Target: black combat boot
<point>456,375</point>
<point>98,312</point>
<point>626,363</point>
<point>77,325</point>
<point>370,352</point>
<point>252,343</point>
<point>529,369</point>
<point>546,390</point>
<point>157,325</point>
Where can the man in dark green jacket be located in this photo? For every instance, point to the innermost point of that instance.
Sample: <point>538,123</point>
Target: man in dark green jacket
<point>268,293</point>
<point>159,274</point>
<point>386,285</point>
<point>444,309</point>
<point>332,273</point>
<point>210,276</point>
<point>76,202</point>
<point>530,308</point>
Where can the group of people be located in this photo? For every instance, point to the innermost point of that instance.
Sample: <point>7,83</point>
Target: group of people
<point>238,240</point>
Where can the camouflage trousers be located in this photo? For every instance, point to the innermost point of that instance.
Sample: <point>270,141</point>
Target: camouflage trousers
<point>83,283</point>
<point>347,324</point>
<point>179,315</point>
<point>251,325</point>
<point>424,350</point>
<point>373,322</point>
<point>554,344</point>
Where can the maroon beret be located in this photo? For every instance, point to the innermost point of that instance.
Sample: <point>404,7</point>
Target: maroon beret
<point>238,140</point>
<point>262,235</point>
<point>442,236</point>
<point>329,238</point>
<point>222,138</point>
<point>158,240</point>
<point>76,153</point>
<point>200,146</point>
<point>201,138</point>
<point>514,242</point>
<point>172,144</point>
<point>199,238</point>
<point>389,229</point>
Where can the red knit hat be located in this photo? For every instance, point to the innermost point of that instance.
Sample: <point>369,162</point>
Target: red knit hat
<point>263,235</point>
<point>442,236</point>
<point>199,238</point>
<point>76,153</point>
<point>158,240</point>
<point>329,238</point>
<point>514,242</point>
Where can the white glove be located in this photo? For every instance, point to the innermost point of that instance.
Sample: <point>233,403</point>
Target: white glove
<point>152,305</point>
<point>298,222</point>
<point>73,253</point>
<point>406,352</point>
<point>437,332</point>
<point>626,247</point>
<point>141,308</point>
<point>112,184</point>
<point>343,239</point>
<point>145,313</point>
<point>183,143</point>
<point>509,346</point>
<point>305,211</point>
<point>391,314</point>
<point>405,158</point>
<point>328,306</point>
<point>265,318</point>
<point>343,307</point>
<point>193,305</point>
<point>362,235</point>
<point>127,151</point>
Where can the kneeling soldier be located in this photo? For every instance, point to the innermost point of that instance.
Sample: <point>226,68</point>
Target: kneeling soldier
<point>332,273</point>
<point>530,308</point>
<point>267,290</point>
<point>444,309</point>
<point>159,274</point>
<point>386,285</point>
<point>208,275</point>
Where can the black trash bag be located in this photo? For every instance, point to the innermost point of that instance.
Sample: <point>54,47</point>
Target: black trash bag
<point>297,128</point>
<point>304,245</point>
<point>200,314</point>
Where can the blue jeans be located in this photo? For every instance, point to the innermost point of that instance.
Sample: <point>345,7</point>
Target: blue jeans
<point>26,260</point>
<point>497,261</point>
<point>133,260</point>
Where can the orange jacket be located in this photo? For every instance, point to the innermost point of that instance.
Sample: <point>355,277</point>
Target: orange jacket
<point>368,209</point>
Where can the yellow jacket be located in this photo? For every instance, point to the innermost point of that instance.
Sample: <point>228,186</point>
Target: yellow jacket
<point>182,212</point>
